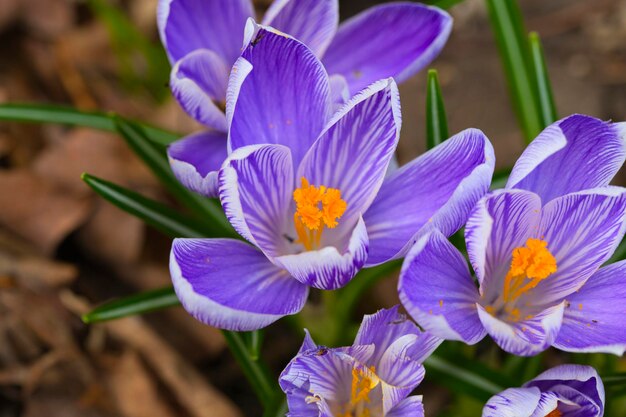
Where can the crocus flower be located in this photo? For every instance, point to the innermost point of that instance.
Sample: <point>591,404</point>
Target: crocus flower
<point>536,248</point>
<point>307,189</point>
<point>563,391</point>
<point>373,377</point>
<point>203,39</point>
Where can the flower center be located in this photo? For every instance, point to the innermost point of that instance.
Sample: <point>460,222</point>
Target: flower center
<point>530,265</point>
<point>316,207</point>
<point>362,384</point>
<point>554,413</point>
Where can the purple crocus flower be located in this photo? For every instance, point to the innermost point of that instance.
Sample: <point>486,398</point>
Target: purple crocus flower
<point>536,248</point>
<point>373,377</point>
<point>203,39</point>
<point>307,187</point>
<point>563,391</point>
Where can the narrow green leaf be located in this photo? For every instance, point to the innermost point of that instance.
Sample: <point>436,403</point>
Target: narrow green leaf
<point>461,379</point>
<point>544,89</point>
<point>254,341</point>
<point>614,380</point>
<point>508,28</point>
<point>280,410</point>
<point>444,4</point>
<point>141,303</point>
<point>161,217</point>
<point>262,382</point>
<point>436,122</point>
<point>42,113</point>
<point>206,209</point>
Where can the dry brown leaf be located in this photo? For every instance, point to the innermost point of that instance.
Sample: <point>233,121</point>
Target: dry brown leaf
<point>112,235</point>
<point>187,385</point>
<point>38,211</point>
<point>134,390</point>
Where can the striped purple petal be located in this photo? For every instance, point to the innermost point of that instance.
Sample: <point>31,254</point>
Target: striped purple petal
<point>392,40</point>
<point>566,380</point>
<point>437,290</point>
<point>187,25</point>
<point>513,402</point>
<point>354,151</point>
<point>255,188</point>
<point>231,285</point>
<point>331,267</point>
<point>576,153</point>
<point>196,159</point>
<point>500,222</point>
<point>595,315</point>
<point>312,22</point>
<point>409,407</point>
<point>278,93</point>
<point>437,189</point>
<point>528,336</point>
<point>198,81</point>
<point>582,231</point>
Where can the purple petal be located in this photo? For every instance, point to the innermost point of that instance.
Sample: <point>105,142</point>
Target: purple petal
<point>325,373</point>
<point>409,407</point>
<point>255,187</point>
<point>500,222</point>
<point>575,154</point>
<point>187,25</point>
<point>400,372</point>
<point>437,290</point>
<point>339,91</point>
<point>526,337</point>
<point>385,327</point>
<point>278,93</point>
<point>329,268</point>
<point>437,189</point>
<point>229,284</point>
<point>513,402</point>
<point>595,315</point>
<point>394,40</point>
<point>568,401</point>
<point>198,81</point>
<point>312,22</point>
<point>196,159</point>
<point>583,379</point>
<point>582,231</point>
<point>353,153</point>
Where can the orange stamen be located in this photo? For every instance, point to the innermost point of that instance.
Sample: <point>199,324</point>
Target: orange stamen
<point>530,265</point>
<point>316,207</point>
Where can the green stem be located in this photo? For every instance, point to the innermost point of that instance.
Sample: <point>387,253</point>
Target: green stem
<point>436,122</point>
<point>547,107</point>
<point>257,373</point>
<point>508,28</point>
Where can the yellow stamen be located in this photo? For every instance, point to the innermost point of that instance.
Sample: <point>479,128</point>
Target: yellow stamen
<point>316,207</point>
<point>554,413</point>
<point>362,384</point>
<point>530,265</point>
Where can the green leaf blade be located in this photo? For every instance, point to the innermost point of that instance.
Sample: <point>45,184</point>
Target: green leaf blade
<point>508,28</point>
<point>161,217</point>
<point>44,113</point>
<point>547,107</point>
<point>141,303</point>
<point>436,121</point>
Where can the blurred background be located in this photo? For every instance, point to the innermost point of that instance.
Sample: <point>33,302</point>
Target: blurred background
<point>63,250</point>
